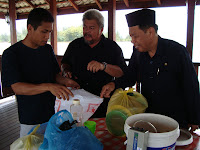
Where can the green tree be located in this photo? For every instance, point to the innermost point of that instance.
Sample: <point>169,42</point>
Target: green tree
<point>128,38</point>
<point>21,35</point>
<point>69,34</point>
<point>4,37</point>
<point>119,37</point>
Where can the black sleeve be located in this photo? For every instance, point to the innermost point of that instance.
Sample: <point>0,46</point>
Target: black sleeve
<point>55,62</point>
<point>10,70</point>
<point>119,58</point>
<point>190,86</point>
<point>129,77</point>
<point>67,56</point>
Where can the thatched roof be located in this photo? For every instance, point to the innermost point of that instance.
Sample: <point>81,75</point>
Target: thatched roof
<point>23,7</point>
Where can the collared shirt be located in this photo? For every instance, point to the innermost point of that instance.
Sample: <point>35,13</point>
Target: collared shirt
<point>79,54</point>
<point>168,81</point>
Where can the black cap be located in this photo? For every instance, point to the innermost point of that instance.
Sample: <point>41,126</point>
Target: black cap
<point>141,17</point>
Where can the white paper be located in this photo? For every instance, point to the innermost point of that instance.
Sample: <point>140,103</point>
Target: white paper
<point>89,101</point>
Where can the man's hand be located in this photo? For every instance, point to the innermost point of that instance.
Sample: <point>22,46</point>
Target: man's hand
<point>59,91</point>
<point>95,66</point>
<point>67,82</point>
<point>107,89</point>
<point>71,83</point>
<point>193,127</point>
<point>67,74</point>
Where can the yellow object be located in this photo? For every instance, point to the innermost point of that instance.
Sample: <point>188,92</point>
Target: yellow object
<point>127,100</point>
<point>122,104</point>
<point>29,142</point>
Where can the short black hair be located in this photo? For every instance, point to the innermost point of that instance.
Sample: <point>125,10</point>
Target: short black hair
<point>145,27</point>
<point>39,15</point>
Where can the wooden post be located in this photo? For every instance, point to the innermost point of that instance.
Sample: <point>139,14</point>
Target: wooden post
<point>190,25</point>
<point>12,15</point>
<point>111,19</point>
<point>53,10</point>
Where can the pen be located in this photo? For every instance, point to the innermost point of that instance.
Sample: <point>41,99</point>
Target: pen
<point>158,71</point>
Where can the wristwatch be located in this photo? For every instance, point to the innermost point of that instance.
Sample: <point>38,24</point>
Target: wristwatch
<point>105,64</point>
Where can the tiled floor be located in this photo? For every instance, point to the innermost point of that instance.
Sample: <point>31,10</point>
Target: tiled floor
<point>9,124</point>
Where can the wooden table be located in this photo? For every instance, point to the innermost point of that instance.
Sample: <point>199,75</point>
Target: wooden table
<point>112,142</point>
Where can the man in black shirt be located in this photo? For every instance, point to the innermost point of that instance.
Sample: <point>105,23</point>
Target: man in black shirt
<point>30,68</point>
<point>93,60</point>
<point>165,70</point>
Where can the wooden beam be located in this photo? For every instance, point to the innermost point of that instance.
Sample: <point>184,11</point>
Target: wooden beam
<point>149,4</point>
<point>47,1</point>
<point>119,6</point>
<point>12,15</point>
<point>3,3</point>
<point>99,4</point>
<point>111,19</point>
<point>29,2</point>
<point>190,25</point>
<point>126,3</point>
<point>53,10</point>
<point>24,7</point>
<point>74,5</point>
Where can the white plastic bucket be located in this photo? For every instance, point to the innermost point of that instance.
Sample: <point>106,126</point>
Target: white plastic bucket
<point>168,130</point>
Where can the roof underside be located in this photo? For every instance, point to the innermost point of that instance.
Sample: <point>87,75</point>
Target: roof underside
<point>23,7</point>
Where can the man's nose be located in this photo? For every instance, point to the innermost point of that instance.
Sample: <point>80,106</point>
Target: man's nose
<point>132,40</point>
<point>47,35</point>
<point>86,30</point>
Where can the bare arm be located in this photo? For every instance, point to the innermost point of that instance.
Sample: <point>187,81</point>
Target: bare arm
<point>21,88</point>
<point>60,91</point>
<point>67,82</point>
<point>113,70</point>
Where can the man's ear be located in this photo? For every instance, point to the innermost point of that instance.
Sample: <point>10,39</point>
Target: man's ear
<point>151,31</point>
<point>30,28</point>
<point>101,30</point>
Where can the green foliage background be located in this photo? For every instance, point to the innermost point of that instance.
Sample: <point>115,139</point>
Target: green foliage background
<point>66,35</point>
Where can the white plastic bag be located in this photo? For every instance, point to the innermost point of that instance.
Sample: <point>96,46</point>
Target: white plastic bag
<point>89,101</point>
<point>29,142</point>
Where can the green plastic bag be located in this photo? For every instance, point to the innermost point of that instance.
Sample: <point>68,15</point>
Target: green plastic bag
<point>29,142</point>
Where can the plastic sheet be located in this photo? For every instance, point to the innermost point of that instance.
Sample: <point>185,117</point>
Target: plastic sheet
<point>77,138</point>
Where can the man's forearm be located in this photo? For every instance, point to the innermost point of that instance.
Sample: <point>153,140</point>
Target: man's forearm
<point>60,79</point>
<point>114,70</point>
<point>21,88</point>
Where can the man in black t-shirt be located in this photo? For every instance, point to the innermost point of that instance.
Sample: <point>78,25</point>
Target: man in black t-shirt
<point>30,68</point>
<point>93,60</point>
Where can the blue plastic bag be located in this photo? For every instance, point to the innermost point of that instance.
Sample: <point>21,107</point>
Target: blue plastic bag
<point>77,138</point>
<point>41,129</point>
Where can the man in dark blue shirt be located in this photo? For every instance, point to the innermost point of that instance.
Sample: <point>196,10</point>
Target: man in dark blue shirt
<point>164,69</point>
<point>30,68</point>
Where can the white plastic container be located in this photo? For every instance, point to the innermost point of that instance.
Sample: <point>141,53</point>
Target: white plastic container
<point>168,130</point>
<point>76,109</point>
